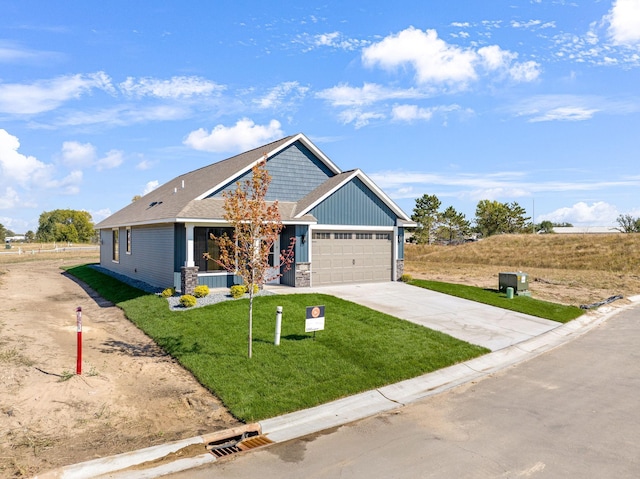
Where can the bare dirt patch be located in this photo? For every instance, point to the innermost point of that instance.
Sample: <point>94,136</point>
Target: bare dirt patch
<point>130,394</point>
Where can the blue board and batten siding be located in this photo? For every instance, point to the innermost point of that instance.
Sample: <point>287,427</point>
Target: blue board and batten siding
<point>151,256</point>
<point>354,204</point>
<point>295,171</point>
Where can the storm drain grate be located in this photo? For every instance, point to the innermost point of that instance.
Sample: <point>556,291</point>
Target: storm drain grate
<point>244,442</point>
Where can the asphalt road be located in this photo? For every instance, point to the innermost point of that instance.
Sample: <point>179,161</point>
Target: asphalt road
<point>571,412</point>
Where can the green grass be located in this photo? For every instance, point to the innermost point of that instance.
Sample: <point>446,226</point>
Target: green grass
<point>360,349</point>
<point>521,304</point>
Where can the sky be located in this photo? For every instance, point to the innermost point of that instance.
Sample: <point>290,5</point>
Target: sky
<point>533,101</point>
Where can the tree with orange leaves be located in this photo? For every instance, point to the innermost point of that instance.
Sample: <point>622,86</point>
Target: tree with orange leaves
<point>257,225</point>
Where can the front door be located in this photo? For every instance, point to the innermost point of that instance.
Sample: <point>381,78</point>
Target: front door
<point>273,273</point>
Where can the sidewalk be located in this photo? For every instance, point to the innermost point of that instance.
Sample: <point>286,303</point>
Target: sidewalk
<point>342,411</point>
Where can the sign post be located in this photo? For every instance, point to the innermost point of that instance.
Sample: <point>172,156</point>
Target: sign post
<point>79,323</point>
<point>315,320</point>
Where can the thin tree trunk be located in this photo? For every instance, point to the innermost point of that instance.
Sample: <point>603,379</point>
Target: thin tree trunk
<point>250,320</point>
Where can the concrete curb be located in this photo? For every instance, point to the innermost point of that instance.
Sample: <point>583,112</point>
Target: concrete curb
<point>342,411</point>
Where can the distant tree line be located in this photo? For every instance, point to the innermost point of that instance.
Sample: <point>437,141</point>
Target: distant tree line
<point>70,226</point>
<point>491,218</point>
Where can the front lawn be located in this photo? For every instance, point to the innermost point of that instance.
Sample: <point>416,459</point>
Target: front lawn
<point>360,349</point>
<point>521,304</point>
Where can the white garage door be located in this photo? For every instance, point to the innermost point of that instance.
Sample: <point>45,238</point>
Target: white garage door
<point>350,257</point>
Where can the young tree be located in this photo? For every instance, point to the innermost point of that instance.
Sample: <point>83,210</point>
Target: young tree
<point>453,225</point>
<point>3,233</point>
<point>493,217</point>
<point>516,219</point>
<point>426,215</point>
<point>256,226</point>
<point>628,224</point>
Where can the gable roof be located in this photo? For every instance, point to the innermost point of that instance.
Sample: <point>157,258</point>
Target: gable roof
<point>186,197</point>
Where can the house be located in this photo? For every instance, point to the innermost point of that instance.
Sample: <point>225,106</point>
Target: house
<point>346,229</point>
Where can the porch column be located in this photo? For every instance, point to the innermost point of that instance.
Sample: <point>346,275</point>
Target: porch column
<point>189,263</point>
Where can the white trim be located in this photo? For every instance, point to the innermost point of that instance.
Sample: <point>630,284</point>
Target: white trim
<point>190,244</point>
<point>353,228</point>
<point>299,137</point>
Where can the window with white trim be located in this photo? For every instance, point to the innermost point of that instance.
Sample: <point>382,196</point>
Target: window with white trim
<point>115,245</point>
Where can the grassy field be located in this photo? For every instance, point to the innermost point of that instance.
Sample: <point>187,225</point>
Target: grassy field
<point>567,269</point>
<point>30,252</point>
<point>360,349</point>
<point>521,304</point>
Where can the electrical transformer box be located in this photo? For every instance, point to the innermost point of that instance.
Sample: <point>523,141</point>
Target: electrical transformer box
<point>518,281</point>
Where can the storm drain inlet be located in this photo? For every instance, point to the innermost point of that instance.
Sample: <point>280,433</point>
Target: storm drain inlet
<point>243,442</point>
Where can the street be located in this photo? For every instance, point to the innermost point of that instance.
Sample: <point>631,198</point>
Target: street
<point>571,412</point>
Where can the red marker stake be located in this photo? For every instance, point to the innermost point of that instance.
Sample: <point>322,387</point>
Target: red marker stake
<point>79,322</point>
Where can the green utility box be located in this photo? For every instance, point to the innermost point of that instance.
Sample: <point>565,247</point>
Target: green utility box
<point>518,281</point>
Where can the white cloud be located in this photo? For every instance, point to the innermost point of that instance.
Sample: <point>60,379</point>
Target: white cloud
<point>113,159</point>
<point>276,97</point>
<point>174,88</point>
<point>84,155</point>
<point>69,185</point>
<point>144,165</point>
<point>565,113</point>
<point>368,94</point>
<point>410,113</point>
<point>99,215</point>
<point>624,22</point>
<point>436,62</point>
<point>78,155</point>
<point>244,135</point>
<point>564,108</point>
<point>47,95</point>
<point>9,199</point>
<point>525,72</point>
<point>16,167</point>
<point>150,186</point>
<point>493,57</point>
<point>124,115</point>
<point>334,40</point>
<point>583,214</point>
<point>433,60</point>
<point>358,117</point>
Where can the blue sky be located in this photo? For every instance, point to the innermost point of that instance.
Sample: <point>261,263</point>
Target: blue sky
<point>530,101</point>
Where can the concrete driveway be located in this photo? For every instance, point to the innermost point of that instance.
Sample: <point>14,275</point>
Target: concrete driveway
<point>476,323</point>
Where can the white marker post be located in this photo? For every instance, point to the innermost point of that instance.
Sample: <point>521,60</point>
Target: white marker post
<point>278,325</point>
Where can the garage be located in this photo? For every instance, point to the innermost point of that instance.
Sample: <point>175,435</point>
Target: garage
<point>351,257</point>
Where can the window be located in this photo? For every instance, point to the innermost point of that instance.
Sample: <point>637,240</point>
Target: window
<point>128,239</point>
<point>318,235</point>
<point>364,235</point>
<point>383,236</point>
<point>115,244</point>
<point>342,235</point>
<point>203,243</point>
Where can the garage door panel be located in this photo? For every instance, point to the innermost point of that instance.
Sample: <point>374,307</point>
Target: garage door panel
<point>360,259</point>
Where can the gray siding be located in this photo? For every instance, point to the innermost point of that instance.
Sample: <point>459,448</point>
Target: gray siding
<point>151,258</point>
<point>295,172</point>
<point>180,246</point>
<point>219,280</point>
<point>354,204</point>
